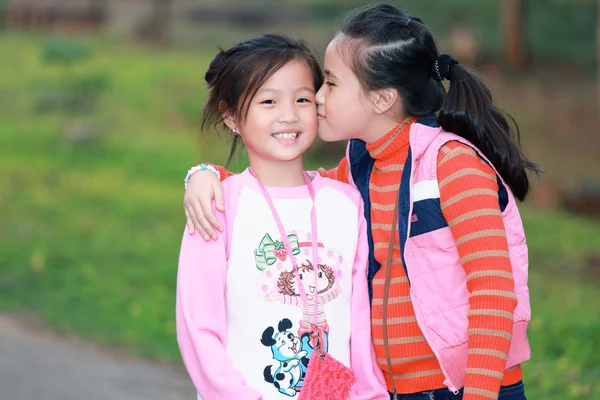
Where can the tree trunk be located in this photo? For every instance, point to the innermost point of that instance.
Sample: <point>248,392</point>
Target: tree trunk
<point>512,32</point>
<point>598,52</point>
<point>3,14</point>
<point>159,21</point>
<point>99,12</point>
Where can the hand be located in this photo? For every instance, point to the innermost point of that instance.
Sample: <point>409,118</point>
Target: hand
<point>273,296</point>
<point>202,189</point>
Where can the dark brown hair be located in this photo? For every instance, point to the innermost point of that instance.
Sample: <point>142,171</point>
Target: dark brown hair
<point>390,49</point>
<point>234,76</point>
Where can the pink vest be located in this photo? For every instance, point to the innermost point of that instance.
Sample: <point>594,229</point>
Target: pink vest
<point>438,281</point>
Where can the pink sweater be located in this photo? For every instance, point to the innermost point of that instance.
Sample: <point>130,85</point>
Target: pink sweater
<point>242,331</point>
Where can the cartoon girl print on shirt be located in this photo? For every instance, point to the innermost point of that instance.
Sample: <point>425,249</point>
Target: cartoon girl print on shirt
<point>322,291</point>
<point>278,283</point>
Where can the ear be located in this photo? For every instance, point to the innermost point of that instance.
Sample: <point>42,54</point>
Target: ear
<point>267,337</point>
<point>384,99</point>
<point>227,116</point>
<point>284,325</point>
<point>229,121</point>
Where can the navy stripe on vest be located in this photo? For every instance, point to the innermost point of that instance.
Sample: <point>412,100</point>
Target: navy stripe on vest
<point>427,217</point>
<point>404,207</point>
<point>361,166</point>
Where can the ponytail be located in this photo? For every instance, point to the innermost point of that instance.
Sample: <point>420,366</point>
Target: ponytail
<point>468,111</point>
<point>399,51</point>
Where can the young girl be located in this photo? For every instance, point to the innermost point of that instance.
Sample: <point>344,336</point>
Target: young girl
<point>448,276</point>
<point>288,276</point>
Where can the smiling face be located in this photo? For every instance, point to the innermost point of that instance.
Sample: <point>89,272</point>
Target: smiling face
<point>281,122</point>
<point>307,278</point>
<point>287,283</point>
<point>287,344</point>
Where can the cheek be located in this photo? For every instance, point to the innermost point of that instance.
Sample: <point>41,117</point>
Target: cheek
<point>343,109</point>
<point>310,118</point>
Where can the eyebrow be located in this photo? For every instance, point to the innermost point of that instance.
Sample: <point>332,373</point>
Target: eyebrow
<point>297,90</point>
<point>329,73</point>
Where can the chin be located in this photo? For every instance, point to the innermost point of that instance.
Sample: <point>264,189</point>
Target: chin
<point>327,136</point>
<point>284,156</point>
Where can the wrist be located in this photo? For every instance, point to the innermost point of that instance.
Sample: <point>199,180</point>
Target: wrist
<point>201,167</point>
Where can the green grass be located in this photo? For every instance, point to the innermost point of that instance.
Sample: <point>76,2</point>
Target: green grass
<point>90,233</point>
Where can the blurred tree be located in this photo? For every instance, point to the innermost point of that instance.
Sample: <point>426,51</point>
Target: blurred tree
<point>75,94</point>
<point>98,7</point>
<point>161,11</point>
<point>511,12</point>
<point>156,28</point>
<point>3,14</point>
<point>598,51</point>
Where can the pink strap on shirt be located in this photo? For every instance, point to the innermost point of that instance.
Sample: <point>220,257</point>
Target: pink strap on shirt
<point>286,242</point>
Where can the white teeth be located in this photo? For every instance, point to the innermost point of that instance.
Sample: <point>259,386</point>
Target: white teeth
<point>285,135</point>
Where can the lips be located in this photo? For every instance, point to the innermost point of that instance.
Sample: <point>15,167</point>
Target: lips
<point>286,135</point>
<point>294,347</point>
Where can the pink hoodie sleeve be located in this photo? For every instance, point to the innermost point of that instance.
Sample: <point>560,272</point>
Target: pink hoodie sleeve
<point>201,319</point>
<point>370,384</point>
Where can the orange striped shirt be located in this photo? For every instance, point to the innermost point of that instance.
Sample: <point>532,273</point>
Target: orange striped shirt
<point>467,185</point>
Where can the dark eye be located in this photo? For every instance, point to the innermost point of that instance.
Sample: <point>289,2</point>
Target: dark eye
<point>300,276</point>
<point>320,274</point>
<point>268,102</point>
<point>304,100</point>
<point>329,83</point>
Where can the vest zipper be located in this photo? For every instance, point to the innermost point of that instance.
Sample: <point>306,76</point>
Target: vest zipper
<point>447,381</point>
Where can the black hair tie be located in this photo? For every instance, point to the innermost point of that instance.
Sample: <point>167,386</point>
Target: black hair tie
<point>441,67</point>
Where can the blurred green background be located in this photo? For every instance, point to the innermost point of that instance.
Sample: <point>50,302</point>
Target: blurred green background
<point>100,104</point>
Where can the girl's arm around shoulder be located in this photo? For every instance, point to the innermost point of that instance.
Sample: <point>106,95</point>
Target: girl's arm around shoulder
<point>201,318</point>
<point>370,384</point>
<point>340,173</point>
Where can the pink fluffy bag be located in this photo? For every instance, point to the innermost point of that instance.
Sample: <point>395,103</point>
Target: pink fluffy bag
<point>327,379</point>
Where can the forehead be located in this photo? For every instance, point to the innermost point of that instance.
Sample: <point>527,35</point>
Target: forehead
<point>293,74</point>
<point>335,57</point>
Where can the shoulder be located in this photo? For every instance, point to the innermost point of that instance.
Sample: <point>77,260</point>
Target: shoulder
<point>342,189</point>
<point>233,188</point>
<point>336,193</point>
<point>455,155</point>
<point>454,148</point>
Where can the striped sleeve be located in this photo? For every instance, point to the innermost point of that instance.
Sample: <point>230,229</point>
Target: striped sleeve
<point>339,173</point>
<point>469,201</point>
<point>224,174</point>
<point>223,171</point>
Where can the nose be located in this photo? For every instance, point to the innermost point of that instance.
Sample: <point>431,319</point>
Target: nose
<point>320,96</point>
<point>288,114</point>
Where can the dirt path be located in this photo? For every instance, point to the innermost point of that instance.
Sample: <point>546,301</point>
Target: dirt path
<point>37,365</point>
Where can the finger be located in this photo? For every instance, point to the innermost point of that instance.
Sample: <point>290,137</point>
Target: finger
<point>203,223</point>
<point>189,223</point>
<point>212,219</point>
<point>196,222</point>
<point>219,199</point>
<point>206,210</point>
